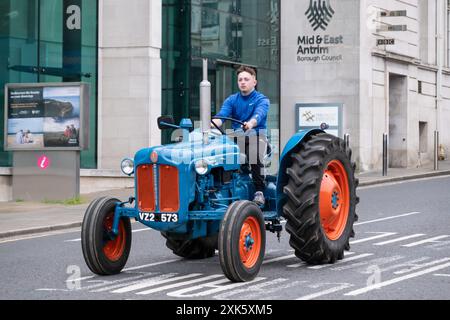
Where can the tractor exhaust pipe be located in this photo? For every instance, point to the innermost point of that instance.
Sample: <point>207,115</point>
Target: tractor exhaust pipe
<point>205,103</point>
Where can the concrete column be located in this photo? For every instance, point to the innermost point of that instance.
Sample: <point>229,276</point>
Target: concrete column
<point>129,79</point>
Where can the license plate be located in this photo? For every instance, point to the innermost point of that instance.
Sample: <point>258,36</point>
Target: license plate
<point>158,217</point>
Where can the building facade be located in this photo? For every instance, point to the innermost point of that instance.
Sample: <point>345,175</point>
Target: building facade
<point>364,67</point>
<point>385,63</point>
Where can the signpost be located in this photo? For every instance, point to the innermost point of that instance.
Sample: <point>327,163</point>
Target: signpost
<point>46,127</point>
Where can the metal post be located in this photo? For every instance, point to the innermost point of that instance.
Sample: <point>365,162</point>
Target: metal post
<point>347,141</point>
<point>436,150</point>
<point>385,154</point>
<point>205,103</point>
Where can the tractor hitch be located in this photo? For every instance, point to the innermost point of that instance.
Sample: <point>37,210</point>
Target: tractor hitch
<point>275,227</point>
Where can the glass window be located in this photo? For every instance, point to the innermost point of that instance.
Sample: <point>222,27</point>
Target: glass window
<point>229,33</point>
<point>50,41</point>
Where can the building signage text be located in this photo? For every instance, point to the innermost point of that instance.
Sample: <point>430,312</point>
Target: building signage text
<point>318,48</point>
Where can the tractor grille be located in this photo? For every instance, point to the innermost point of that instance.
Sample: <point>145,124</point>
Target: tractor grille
<point>158,185</point>
<point>146,188</point>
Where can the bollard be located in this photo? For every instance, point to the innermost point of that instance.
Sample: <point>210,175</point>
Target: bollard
<point>385,155</point>
<point>347,141</point>
<point>436,150</point>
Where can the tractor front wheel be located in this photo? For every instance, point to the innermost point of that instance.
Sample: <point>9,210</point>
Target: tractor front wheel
<point>104,252</point>
<point>242,241</point>
<point>321,199</point>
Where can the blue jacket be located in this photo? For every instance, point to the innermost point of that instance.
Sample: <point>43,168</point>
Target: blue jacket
<point>244,108</point>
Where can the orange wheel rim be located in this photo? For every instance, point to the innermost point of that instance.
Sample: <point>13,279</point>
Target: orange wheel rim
<point>113,249</point>
<point>334,201</point>
<point>250,242</point>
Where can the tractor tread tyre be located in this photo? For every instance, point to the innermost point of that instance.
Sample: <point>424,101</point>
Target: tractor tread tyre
<point>302,192</point>
<point>229,240</point>
<point>93,233</point>
<point>194,249</point>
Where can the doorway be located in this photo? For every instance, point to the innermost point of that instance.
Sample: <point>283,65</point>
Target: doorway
<point>398,120</point>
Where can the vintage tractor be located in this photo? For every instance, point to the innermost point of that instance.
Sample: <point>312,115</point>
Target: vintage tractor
<point>197,194</point>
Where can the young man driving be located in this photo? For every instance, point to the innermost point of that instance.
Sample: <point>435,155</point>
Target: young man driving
<point>250,107</point>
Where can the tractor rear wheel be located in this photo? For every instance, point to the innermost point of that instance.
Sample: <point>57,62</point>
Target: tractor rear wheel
<point>242,241</point>
<point>200,248</point>
<point>321,199</point>
<point>104,253</point>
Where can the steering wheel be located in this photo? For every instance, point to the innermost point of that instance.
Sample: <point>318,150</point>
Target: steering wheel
<point>225,119</point>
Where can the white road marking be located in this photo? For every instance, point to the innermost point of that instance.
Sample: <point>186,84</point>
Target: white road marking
<point>150,265</point>
<point>52,289</point>
<point>153,282</point>
<point>157,278</point>
<point>133,231</point>
<point>430,240</point>
<point>374,262</point>
<point>421,266</point>
<point>396,280</point>
<point>107,282</point>
<point>115,282</point>
<point>399,239</point>
<point>40,235</point>
<point>280,258</point>
<point>254,292</point>
<point>214,285</point>
<point>342,261</point>
<point>441,275</point>
<point>296,265</point>
<point>400,265</point>
<point>180,284</point>
<point>103,283</point>
<point>304,263</point>
<point>325,292</point>
<point>382,235</point>
<point>387,218</point>
<point>80,279</point>
<point>141,230</point>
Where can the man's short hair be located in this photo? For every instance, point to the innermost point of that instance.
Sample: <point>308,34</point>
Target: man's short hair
<point>246,69</point>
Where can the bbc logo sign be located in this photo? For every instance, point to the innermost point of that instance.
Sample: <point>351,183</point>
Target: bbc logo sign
<point>385,42</point>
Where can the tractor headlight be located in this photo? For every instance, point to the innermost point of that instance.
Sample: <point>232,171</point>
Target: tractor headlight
<point>127,166</point>
<point>201,167</point>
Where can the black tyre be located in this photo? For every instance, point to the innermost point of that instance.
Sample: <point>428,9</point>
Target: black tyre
<point>242,241</point>
<point>321,199</point>
<point>200,248</point>
<point>103,253</point>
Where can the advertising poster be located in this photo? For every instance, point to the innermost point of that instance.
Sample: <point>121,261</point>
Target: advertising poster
<point>43,117</point>
<point>62,116</point>
<point>25,118</point>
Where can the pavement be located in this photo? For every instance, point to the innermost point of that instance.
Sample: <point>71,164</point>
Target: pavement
<point>29,218</point>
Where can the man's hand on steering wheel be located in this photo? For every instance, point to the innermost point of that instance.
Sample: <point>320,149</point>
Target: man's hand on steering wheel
<point>250,125</point>
<point>223,119</point>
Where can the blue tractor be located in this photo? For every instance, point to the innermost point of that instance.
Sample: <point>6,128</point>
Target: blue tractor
<point>197,194</point>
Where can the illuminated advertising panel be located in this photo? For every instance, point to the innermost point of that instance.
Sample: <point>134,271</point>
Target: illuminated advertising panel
<point>52,116</point>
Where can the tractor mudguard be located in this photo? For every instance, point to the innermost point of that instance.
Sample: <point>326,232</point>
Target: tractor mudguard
<point>282,178</point>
